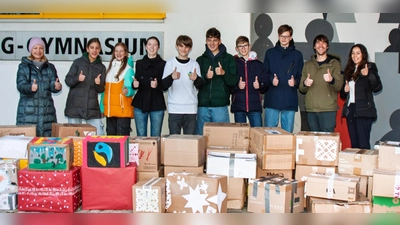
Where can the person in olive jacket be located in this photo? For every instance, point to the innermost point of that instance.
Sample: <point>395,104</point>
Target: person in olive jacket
<point>86,79</point>
<point>361,80</point>
<point>36,81</point>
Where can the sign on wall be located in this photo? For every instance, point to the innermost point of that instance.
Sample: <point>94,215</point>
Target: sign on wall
<point>69,45</point>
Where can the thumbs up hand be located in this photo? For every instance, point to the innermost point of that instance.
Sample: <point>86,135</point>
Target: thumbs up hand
<point>256,84</point>
<point>275,81</point>
<point>154,83</point>
<point>364,71</point>
<point>328,77</point>
<point>193,76</point>
<point>308,82</point>
<point>347,87</point>
<point>34,86</point>
<point>210,73</point>
<point>219,70</point>
<point>291,81</point>
<point>135,83</point>
<point>241,84</point>
<point>97,79</point>
<point>57,85</point>
<point>81,76</point>
<point>175,74</point>
<point>124,90</point>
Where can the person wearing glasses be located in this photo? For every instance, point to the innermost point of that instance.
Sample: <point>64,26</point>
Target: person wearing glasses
<point>283,64</point>
<point>246,95</point>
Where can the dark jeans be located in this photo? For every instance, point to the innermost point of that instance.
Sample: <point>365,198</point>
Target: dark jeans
<point>178,121</point>
<point>118,126</point>
<point>359,129</point>
<point>322,121</point>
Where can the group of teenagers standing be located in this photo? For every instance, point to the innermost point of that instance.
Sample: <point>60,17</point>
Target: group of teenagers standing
<point>201,90</point>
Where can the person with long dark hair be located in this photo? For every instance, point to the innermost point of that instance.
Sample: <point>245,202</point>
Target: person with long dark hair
<point>361,80</point>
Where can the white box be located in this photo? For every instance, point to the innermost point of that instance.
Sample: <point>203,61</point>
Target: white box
<point>232,164</point>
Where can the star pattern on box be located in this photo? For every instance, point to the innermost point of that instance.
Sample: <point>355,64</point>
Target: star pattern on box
<point>219,198</point>
<point>204,186</point>
<point>168,198</point>
<point>326,150</point>
<point>147,200</point>
<point>182,183</point>
<point>196,200</point>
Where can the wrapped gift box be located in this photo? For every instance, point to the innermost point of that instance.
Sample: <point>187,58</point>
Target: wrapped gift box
<point>108,188</point>
<point>50,153</point>
<point>49,191</point>
<point>106,151</point>
<point>14,147</point>
<point>196,193</point>
<point>78,150</point>
<point>149,196</point>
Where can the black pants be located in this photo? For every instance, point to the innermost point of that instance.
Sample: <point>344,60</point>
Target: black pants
<point>359,129</point>
<point>118,126</point>
<point>178,121</point>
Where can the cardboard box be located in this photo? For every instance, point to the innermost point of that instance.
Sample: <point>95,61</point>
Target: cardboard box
<point>108,188</point>
<point>147,175</point>
<point>145,152</point>
<point>49,191</point>
<point>236,193</point>
<point>271,139</point>
<point>386,183</point>
<point>317,148</point>
<point>225,149</point>
<point>184,150</point>
<point>232,165</point>
<point>389,156</point>
<point>18,130</point>
<point>321,205</point>
<point>182,169</point>
<point>361,162</point>
<point>233,135</point>
<point>335,186</point>
<point>288,174</point>
<point>14,147</point>
<point>385,205</point>
<point>78,150</point>
<point>162,148</point>
<point>196,193</point>
<point>149,196</point>
<point>50,153</point>
<point>275,195</point>
<point>277,160</point>
<point>69,129</point>
<point>8,201</point>
<point>105,151</point>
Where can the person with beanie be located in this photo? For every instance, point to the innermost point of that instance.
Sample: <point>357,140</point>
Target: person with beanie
<point>37,79</point>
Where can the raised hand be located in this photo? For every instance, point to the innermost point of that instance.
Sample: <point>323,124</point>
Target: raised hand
<point>256,84</point>
<point>308,82</point>
<point>97,79</point>
<point>57,85</point>
<point>275,81</point>
<point>135,83</point>
<point>347,87</point>
<point>291,81</point>
<point>153,83</point>
<point>175,74</point>
<point>34,86</point>
<point>365,71</point>
<point>210,73</point>
<point>241,84</point>
<point>81,76</point>
<point>193,76</point>
<point>124,90</point>
<point>219,70</point>
<point>328,77</point>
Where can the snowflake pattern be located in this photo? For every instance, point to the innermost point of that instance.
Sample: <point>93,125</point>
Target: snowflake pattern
<point>326,150</point>
<point>147,200</point>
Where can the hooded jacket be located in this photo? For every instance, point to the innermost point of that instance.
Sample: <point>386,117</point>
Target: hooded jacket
<point>216,91</point>
<point>82,100</point>
<point>36,107</point>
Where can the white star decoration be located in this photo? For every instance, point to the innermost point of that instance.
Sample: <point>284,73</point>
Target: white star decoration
<point>182,183</point>
<point>204,186</point>
<point>196,201</point>
<point>219,198</point>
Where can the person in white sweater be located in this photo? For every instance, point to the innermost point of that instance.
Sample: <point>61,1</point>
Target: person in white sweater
<point>183,78</point>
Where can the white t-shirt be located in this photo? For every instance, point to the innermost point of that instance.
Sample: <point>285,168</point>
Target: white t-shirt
<point>182,95</point>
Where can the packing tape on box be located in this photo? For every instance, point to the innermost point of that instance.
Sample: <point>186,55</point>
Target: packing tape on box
<point>266,197</point>
<point>150,183</point>
<point>8,201</point>
<point>329,189</point>
<point>231,164</point>
<point>294,191</point>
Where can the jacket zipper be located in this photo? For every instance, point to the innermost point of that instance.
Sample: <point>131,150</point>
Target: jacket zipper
<point>247,86</point>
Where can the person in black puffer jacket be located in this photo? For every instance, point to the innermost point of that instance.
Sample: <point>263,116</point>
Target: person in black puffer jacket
<point>36,81</point>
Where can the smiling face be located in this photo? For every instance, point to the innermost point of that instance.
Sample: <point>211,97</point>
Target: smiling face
<point>183,51</point>
<point>285,39</point>
<point>356,55</point>
<point>321,47</point>
<point>152,47</point>
<point>37,52</point>
<point>213,44</point>
<point>93,49</point>
<point>243,48</point>
<point>120,53</point>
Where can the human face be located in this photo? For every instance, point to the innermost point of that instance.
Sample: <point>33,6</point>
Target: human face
<point>356,55</point>
<point>285,39</point>
<point>37,52</point>
<point>183,51</point>
<point>152,48</point>
<point>213,44</point>
<point>243,48</point>
<point>321,47</point>
<point>93,49</point>
<point>120,53</point>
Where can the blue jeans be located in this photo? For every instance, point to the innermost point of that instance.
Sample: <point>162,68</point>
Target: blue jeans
<point>272,117</point>
<point>94,122</point>
<point>211,114</point>
<point>156,121</point>
<point>254,118</point>
<point>322,121</point>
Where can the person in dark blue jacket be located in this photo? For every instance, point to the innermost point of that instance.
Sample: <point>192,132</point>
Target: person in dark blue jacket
<point>247,94</point>
<point>284,66</point>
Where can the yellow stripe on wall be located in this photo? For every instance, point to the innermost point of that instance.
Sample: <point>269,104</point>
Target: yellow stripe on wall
<point>152,16</point>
